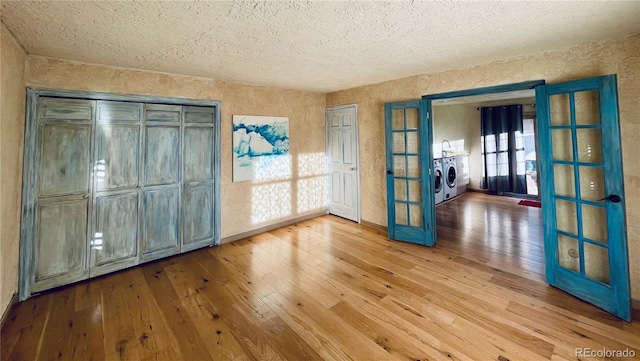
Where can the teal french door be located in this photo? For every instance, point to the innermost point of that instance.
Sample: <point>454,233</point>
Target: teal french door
<point>411,215</point>
<point>582,192</point>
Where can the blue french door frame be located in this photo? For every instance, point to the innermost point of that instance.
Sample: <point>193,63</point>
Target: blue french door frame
<point>615,297</point>
<point>417,203</point>
<point>608,284</point>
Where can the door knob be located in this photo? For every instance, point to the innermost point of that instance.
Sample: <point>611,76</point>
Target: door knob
<point>613,198</point>
<point>389,172</point>
<point>353,168</point>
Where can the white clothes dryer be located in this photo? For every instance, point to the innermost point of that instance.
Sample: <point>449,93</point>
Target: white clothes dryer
<point>450,177</point>
<point>438,180</point>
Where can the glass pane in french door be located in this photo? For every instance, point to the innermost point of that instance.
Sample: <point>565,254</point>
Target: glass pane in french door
<point>579,184</point>
<point>407,167</point>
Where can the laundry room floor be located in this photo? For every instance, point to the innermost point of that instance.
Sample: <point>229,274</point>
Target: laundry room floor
<point>495,231</point>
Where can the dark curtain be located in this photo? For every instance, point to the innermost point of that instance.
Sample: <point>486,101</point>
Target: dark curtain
<point>503,149</point>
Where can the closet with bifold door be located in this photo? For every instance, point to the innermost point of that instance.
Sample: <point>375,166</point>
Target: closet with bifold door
<point>109,184</point>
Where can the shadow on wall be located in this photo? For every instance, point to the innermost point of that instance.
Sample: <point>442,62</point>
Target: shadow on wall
<point>273,189</point>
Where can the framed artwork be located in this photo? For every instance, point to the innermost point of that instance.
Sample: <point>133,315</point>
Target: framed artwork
<point>260,146</point>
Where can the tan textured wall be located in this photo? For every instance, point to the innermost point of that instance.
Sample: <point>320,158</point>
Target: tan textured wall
<point>245,206</point>
<point>621,57</point>
<point>12,104</point>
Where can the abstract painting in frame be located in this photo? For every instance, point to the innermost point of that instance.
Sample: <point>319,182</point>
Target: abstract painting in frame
<point>260,147</point>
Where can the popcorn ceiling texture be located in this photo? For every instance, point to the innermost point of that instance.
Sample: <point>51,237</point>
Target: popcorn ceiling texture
<point>12,105</point>
<point>621,57</point>
<point>317,46</point>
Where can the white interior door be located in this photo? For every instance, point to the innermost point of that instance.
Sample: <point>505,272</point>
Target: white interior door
<point>342,155</point>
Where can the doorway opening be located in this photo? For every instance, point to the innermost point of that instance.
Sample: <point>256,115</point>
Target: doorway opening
<point>489,225</point>
<point>579,146</point>
<point>493,155</point>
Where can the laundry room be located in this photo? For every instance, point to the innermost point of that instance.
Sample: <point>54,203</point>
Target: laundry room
<point>505,165</point>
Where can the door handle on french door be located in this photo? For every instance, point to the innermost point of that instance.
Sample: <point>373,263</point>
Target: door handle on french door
<point>613,198</point>
<point>389,172</point>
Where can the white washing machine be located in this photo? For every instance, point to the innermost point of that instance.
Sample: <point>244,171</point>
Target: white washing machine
<point>450,177</point>
<point>438,179</point>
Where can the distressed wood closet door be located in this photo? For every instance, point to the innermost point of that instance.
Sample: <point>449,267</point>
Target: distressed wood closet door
<point>198,177</point>
<point>161,182</point>
<point>111,181</point>
<point>63,157</point>
<point>114,239</point>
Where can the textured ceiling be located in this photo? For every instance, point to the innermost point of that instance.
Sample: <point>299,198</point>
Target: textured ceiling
<point>315,46</point>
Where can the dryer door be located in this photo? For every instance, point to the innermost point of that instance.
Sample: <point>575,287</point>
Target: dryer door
<point>437,175</point>
<point>451,175</point>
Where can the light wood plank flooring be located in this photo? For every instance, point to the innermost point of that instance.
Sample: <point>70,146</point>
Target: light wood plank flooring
<point>330,289</point>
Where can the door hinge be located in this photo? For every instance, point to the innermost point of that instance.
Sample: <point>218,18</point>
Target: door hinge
<point>427,115</point>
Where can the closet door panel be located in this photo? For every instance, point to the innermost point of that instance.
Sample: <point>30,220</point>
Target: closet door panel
<point>60,243</point>
<point>121,112</point>
<point>203,115</point>
<point>117,148</point>
<point>197,203</point>
<point>64,159</point>
<point>160,226</point>
<point>198,175</point>
<point>66,110</point>
<point>162,113</point>
<point>115,233</point>
<point>161,187</point>
<point>198,154</point>
<point>114,243</point>
<point>62,188</point>
<point>162,155</point>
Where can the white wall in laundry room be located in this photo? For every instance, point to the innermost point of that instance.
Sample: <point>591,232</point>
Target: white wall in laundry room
<point>459,124</point>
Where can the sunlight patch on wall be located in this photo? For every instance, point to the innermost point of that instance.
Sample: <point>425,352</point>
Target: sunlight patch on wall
<point>312,193</point>
<point>270,201</point>
<point>312,183</point>
<point>312,164</point>
<point>273,195</point>
<point>267,169</point>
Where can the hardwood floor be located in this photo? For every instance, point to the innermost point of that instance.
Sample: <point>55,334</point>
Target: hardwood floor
<point>330,289</point>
